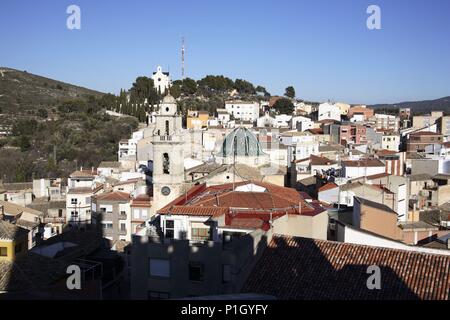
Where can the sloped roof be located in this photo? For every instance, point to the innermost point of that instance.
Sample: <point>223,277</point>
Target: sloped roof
<point>83,174</point>
<point>113,196</point>
<point>300,268</point>
<point>109,164</point>
<point>32,272</point>
<point>9,231</point>
<point>14,209</point>
<point>328,186</point>
<point>321,161</point>
<point>17,186</point>
<point>222,199</point>
<point>363,163</point>
<point>375,205</point>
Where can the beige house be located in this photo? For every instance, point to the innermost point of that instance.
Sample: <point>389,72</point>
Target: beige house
<point>24,217</point>
<point>375,217</point>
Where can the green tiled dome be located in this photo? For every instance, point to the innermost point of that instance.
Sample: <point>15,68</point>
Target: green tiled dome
<point>240,142</point>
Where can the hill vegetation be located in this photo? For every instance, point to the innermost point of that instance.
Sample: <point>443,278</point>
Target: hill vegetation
<point>54,127</point>
<point>419,107</point>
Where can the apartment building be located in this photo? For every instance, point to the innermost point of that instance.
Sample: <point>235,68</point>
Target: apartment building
<point>424,142</point>
<point>81,187</point>
<point>426,120</point>
<point>363,110</point>
<point>197,119</point>
<point>385,122</point>
<point>243,110</point>
<point>112,211</point>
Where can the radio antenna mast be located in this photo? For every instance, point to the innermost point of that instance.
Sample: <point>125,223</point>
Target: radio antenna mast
<point>182,58</point>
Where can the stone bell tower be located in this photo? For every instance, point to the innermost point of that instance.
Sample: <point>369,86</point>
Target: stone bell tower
<point>168,166</point>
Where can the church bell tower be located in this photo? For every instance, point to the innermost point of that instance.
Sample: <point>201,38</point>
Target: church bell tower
<point>168,159</point>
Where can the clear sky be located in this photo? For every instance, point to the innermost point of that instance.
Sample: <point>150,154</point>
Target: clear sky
<point>322,48</point>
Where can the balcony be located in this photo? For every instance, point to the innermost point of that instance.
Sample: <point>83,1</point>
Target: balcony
<point>54,220</point>
<point>169,138</point>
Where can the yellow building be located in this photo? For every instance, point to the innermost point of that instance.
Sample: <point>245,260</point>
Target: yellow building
<point>13,241</point>
<point>197,119</point>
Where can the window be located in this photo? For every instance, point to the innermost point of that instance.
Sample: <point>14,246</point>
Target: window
<point>166,163</point>
<point>196,271</point>
<point>155,295</point>
<point>226,273</point>
<point>170,229</point>
<point>159,268</point>
<point>3,251</point>
<point>167,127</point>
<point>123,227</point>
<point>201,234</point>
<point>60,213</point>
<point>73,201</point>
<point>107,225</point>
<point>136,213</point>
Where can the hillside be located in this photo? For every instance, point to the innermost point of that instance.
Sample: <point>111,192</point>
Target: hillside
<point>425,106</point>
<point>52,128</point>
<point>22,92</point>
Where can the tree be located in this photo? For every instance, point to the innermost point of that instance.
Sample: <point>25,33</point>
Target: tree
<point>42,113</point>
<point>216,83</point>
<point>24,143</point>
<point>290,92</point>
<point>189,86</point>
<point>284,106</point>
<point>244,87</point>
<point>175,90</point>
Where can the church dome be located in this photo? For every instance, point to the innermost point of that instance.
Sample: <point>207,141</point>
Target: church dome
<point>240,142</point>
<point>169,99</point>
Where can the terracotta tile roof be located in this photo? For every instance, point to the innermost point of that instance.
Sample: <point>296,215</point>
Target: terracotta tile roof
<point>109,164</point>
<point>13,209</point>
<point>318,269</point>
<point>142,200</point>
<point>244,223</point>
<point>315,131</point>
<point>194,211</point>
<point>377,176</point>
<point>328,186</point>
<point>80,190</point>
<point>321,161</point>
<point>363,163</point>
<point>221,199</point>
<point>425,133</point>
<point>113,196</point>
<point>9,231</point>
<point>32,272</point>
<point>17,186</point>
<point>83,174</point>
<point>384,152</point>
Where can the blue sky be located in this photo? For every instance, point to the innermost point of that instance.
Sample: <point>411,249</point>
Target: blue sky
<point>322,47</point>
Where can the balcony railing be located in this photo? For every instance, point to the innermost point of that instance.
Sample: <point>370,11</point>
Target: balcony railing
<point>55,220</point>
